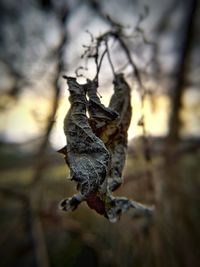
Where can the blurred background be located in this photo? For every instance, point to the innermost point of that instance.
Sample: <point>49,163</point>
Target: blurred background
<point>40,40</point>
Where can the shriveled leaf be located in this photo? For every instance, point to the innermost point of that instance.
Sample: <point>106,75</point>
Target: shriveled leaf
<point>87,155</point>
<point>120,205</point>
<point>117,146</point>
<point>96,148</point>
<point>99,114</point>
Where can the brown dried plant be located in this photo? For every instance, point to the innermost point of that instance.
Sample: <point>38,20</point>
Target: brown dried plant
<point>97,145</point>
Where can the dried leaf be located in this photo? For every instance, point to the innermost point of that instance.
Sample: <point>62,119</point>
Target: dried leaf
<point>87,155</point>
<point>117,144</point>
<point>120,205</point>
<point>99,114</point>
<point>89,148</point>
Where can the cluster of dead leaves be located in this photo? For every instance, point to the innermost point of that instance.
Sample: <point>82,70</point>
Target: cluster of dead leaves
<point>96,147</point>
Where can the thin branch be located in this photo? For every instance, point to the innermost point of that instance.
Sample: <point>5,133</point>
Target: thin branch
<point>99,65</point>
<point>109,58</point>
<point>57,90</point>
<point>129,57</point>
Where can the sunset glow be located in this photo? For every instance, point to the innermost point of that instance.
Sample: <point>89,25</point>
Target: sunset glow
<point>28,117</point>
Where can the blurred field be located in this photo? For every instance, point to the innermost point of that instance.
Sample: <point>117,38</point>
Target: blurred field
<point>72,239</point>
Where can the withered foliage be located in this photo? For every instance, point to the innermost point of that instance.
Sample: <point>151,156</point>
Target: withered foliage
<point>86,154</point>
<point>96,147</point>
<point>99,114</point>
<point>97,143</point>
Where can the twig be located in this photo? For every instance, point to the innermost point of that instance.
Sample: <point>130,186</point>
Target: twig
<point>42,149</point>
<point>109,59</point>
<point>99,65</point>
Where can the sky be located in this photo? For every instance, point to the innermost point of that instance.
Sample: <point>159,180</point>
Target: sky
<point>41,33</point>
